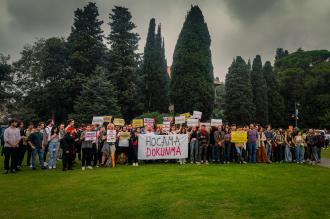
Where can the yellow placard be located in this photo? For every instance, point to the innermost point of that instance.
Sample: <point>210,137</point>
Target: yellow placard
<point>118,122</point>
<point>238,136</point>
<point>187,115</point>
<point>124,135</point>
<point>107,118</point>
<point>137,123</point>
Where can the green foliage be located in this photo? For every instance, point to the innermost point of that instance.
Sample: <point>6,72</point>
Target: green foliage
<point>98,97</point>
<point>154,71</point>
<point>5,78</point>
<point>219,104</point>
<point>303,78</point>
<point>192,77</point>
<point>275,100</point>
<point>159,117</point>
<point>259,89</point>
<point>124,62</point>
<point>239,106</point>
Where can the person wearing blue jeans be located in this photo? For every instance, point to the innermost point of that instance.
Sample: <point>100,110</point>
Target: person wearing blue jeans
<point>269,138</point>
<point>194,145</point>
<point>298,141</point>
<point>252,137</point>
<point>35,140</point>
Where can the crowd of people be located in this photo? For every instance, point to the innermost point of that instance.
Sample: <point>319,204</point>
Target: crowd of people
<point>68,143</point>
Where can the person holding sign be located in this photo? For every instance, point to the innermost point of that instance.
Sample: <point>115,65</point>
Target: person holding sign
<point>123,144</point>
<point>86,147</point>
<point>109,148</point>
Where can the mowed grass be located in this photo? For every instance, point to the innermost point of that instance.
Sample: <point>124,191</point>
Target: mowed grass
<point>169,191</point>
<point>325,153</point>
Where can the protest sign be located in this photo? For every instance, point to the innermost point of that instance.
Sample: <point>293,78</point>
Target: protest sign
<point>124,139</point>
<point>180,119</point>
<point>118,122</point>
<point>197,115</point>
<point>111,136</point>
<point>192,122</point>
<point>125,135</point>
<point>153,147</point>
<point>137,123</point>
<point>216,122</point>
<point>90,136</point>
<point>187,115</point>
<point>238,136</point>
<point>148,122</point>
<point>98,120</point>
<point>166,126</point>
<point>107,118</point>
<point>168,119</point>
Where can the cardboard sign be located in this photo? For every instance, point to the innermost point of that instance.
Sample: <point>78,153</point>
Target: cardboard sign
<point>90,136</point>
<point>197,115</point>
<point>239,136</point>
<point>192,122</point>
<point>124,135</point>
<point>216,122</point>
<point>107,118</point>
<point>119,122</point>
<point>148,122</point>
<point>153,147</point>
<point>111,136</point>
<point>187,115</point>
<point>180,120</point>
<point>166,126</point>
<point>98,120</point>
<point>137,123</point>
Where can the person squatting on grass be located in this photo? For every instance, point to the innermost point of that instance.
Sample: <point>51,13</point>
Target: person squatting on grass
<point>205,144</point>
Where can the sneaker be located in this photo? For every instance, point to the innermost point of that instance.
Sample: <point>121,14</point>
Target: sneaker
<point>191,162</point>
<point>31,166</point>
<point>244,161</point>
<point>83,168</point>
<point>201,162</point>
<point>50,167</point>
<point>136,164</point>
<point>206,162</point>
<point>45,164</point>
<point>54,167</point>
<point>13,171</point>
<point>5,172</point>
<point>89,167</point>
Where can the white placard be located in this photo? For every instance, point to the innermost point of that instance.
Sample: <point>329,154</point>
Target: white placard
<point>180,120</point>
<point>148,122</point>
<point>153,147</point>
<point>98,120</point>
<point>197,115</point>
<point>192,122</point>
<point>111,136</point>
<point>90,136</point>
<point>216,122</point>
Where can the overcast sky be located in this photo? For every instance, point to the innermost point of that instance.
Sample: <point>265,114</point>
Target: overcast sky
<point>237,27</point>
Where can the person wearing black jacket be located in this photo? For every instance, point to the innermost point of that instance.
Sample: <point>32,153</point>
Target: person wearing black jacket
<point>68,148</point>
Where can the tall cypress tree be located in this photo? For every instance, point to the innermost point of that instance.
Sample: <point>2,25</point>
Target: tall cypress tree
<point>192,77</point>
<point>275,100</point>
<point>259,88</point>
<point>239,107</point>
<point>85,41</point>
<point>124,62</point>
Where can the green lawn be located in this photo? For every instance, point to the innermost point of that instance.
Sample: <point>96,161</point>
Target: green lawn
<point>169,191</point>
<point>325,153</point>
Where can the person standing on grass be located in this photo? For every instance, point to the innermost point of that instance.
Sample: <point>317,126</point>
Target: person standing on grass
<point>12,138</point>
<point>252,137</point>
<point>35,141</point>
<point>123,143</point>
<point>61,136</point>
<point>194,145</point>
<point>27,133</point>
<point>269,138</point>
<point>86,147</point>
<point>288,144</point>
<point>135,145</point>
<point>22,146</point>
<point>227,145</point>
<point>221,155</point>
<point>68,143</point>
<point>298,141</point>
<point>262,153</point>
<point>279,142</point>
<point>54,142</point>
<point>47,135</point>
<point>204,143</point>
<point>108,149</point>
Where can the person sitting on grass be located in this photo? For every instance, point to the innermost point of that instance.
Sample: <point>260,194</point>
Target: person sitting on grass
<point>35,140</point>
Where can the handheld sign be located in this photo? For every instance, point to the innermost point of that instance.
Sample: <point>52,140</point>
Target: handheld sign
<point>137,123</point>
<point>119,122</point>
<point>187,115</point>
<point>111,136</point>
<point>197,115</point>
<point>166,126</point>
<point>180,120</point>
<point>239,136</point>
<point>98,120</point>
<point>216,122</point>
<point>90,136</point>
<point>192,122</point>
<point>149,121</point>
<point>107,118</point>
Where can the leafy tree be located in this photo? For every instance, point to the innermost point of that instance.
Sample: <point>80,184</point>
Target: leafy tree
<point>219,103</point>
<point>259,89</point>
<point>124,62</point>
<point>275,100</point>
<point>239,106</point>
<point>98,97</point>
<point>5,84</point>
